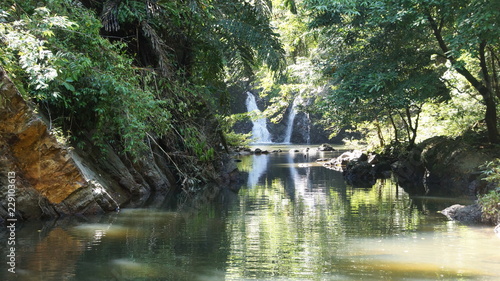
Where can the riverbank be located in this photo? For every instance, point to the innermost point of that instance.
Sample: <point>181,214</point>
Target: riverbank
<point>48,178</point>
<point>439,166</point>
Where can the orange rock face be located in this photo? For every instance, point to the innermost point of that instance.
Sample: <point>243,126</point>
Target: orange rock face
<point>34,154</point>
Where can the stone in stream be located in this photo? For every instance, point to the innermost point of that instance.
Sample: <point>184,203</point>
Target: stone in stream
<point>470,214</point>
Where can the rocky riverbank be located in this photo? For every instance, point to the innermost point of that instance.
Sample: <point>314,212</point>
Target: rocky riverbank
<point>439,166</point>
<point>49,179</point>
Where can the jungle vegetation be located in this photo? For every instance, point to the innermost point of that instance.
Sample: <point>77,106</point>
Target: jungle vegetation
<point>132,74</point>
<point>136,73</point>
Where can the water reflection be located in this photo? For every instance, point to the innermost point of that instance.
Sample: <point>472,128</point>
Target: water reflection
<point>294,221</point>
<point>259,167</point>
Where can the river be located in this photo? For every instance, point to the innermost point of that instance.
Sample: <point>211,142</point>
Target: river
<point>291,220</point>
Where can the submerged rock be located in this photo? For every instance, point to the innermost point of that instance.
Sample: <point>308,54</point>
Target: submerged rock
<point>358,168</point>
<point>359,174</point>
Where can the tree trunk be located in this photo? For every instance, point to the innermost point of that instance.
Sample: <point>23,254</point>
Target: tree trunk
<point>379,133</point>
<point>413,128</point>
<point>494,73</point>
<point>396,137</point>
<point>407,126</point>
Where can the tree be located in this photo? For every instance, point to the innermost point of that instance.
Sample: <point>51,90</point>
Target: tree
<point>379,69</point>
<point>380,48</point>
<point>198,38</point>
<point>477,25</point>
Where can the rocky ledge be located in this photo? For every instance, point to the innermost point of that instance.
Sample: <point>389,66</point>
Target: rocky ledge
<point>360,169</point>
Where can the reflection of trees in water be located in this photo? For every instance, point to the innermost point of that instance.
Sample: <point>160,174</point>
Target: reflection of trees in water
<point>301,222</point>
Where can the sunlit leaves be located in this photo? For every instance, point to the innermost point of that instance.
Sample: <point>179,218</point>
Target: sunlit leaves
<point>27,38</point>
<point>379,54</point>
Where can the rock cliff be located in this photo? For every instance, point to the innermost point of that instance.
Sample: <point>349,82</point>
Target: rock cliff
<point>52,179</point>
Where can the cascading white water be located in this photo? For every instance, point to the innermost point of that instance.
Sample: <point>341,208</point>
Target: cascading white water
<point>260,133</point>
<point>291,118</point>
<point>308,129</point>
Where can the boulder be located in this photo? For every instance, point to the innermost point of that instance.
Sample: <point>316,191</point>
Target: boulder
<point>470,214</point>
<point>326,147</point>
<point>359,174</point>
<point>381,170</point>
<point>45,173</point>
<point>409,173</point>
<point>374,158</point>
<point>452,165</point>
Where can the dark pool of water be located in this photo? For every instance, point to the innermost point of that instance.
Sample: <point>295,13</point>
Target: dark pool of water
<point>292,220</point>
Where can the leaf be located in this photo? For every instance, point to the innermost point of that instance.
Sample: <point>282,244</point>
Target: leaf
<point>68,86</point>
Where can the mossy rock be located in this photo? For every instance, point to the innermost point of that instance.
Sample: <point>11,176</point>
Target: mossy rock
<point>452,165</point>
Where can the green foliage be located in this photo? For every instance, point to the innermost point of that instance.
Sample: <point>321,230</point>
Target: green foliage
<point>232,138</point>
<point>301,73</point>
<point>385,61</point>
<point>492,172</point>
<point>490,202</point>
<point>24,43</point>
<point>88,84</point>
<point>150,81</point>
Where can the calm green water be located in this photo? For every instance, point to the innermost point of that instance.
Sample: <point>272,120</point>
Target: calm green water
<point>292,220</point>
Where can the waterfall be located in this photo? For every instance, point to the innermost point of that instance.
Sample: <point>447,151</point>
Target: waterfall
<point>291,118</point>
<point>260,134</point>
<point>308,129</point>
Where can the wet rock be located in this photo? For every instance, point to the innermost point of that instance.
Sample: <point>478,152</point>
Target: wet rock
<point>363,157</point>
<point>326,147</point>
<point>442,166</point>
<point>46,175</point>
<point>344,159</point>
<point>374,158</point>
<point>260,151</point>
<point>231,175</point>
<point>470,214</point>
<point>359,174</point>
<point>409,173</point>
<point>382,170</point>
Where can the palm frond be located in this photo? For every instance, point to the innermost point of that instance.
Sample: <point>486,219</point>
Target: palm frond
<point>109,15</point>
<point>159,47</point>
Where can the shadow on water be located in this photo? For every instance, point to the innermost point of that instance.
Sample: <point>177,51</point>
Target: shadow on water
<point>294,220</point>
